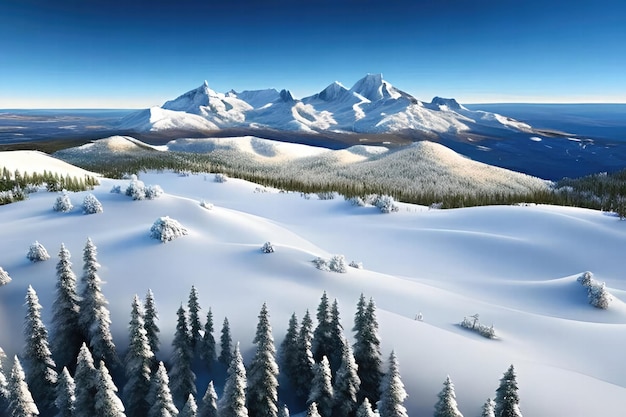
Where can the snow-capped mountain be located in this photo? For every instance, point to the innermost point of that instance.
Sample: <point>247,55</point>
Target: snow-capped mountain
<point>372,105</point>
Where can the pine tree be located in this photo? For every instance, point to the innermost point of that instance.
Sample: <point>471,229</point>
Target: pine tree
<point>321,388</point>
<point>151,317</point>
<point>106,401</point>
<point>85,379</point>
<point>262,394</point>
<point>94,314</point>
<point>182,378</point>
<point>392,391</point>
<point>41,376</point>
<point>367,350</point>
<point>447,406</point>
<point>336,338</point>
<point>4,390</point>
<point>507,397</point>
<point>21,402</point>
<point>194,319</point>
<point>190,409</point>
<point>489,408</point>
<point>347,384</point>
<point>233,401</point>
<point>208,406</point>
<point>207,345</point>
<point>322,342</point>
<point>4,277</point>
<point>160,396</point>
<point>365,409</point>
<point>137,364</point>
<point>65,400</point>
<point>312,410</point>
<point>66,335</point>
<point>226,351</point>
<point>305,361</point>
<point>289,350</point>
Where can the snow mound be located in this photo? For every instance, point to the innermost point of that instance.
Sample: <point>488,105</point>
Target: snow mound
<point>35,161</point>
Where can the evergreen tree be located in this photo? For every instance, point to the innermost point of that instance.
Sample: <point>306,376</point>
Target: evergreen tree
<point>336,338</point>
<point>66,335</point>
<point>283,411</point>
<point>4,277</point>
<point>208,406</point>
<point>289,350</point>
<point>321,388</point>
<point>21,402</point>
<point>507,397</point>
<point>322,342</point>
<point>85,379</point>
<point>160,396</point>
<point>190,409</point>
<point>4,390</point>
<point>367,350</point>
<point>137,364</point>
<point>347,384</point>
<point>151,317</point>
<point>207,345</point>
<point>226,351</point>
<point>447,406</point>
<point>195,326</point>
<point>94,314</point>
<point>182,378</point>
<point>41,376</point>
<point>65,400</point>
<point>233,401</point>
<point>305,361</point>
<point>489,408</point>
<point>365,409</point>
<point>392,391</point>
<point>106,401</point>
<point>312,410</point>
<point>262,394</point>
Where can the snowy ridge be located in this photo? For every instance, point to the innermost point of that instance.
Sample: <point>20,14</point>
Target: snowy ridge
<point>38,162</point>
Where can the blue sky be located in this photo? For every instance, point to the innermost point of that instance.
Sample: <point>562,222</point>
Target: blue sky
<point>133,54</point>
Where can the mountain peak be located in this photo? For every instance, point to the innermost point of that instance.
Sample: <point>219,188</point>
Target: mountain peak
<point>332,92</point>
<point>285,95</point>
<point>450,103</point>
<point>374,88</point>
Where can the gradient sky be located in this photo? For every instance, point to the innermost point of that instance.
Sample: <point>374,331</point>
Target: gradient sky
<point>134,54</point>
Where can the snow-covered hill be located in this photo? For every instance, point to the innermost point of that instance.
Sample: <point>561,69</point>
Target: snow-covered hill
<point>514,265</point>
<point>372,105</point>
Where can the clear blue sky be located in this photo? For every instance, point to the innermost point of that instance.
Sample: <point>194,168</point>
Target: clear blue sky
<point>132,54</point>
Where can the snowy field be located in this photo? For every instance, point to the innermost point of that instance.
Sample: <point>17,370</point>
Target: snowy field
<point>516,266</point>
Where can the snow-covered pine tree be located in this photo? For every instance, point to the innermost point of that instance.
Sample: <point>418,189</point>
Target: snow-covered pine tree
<point>367,350</point>
<point>85,379</point>
<point>21,403</point>
<point>365,409</point>
<point>151,317</point>
<point>41,376</point>
<point>190,409</point>
<point>63,203</point>
<point>106,401</point>
<point>305,361</point>
<point>94,316</point>
<point>182,378</point>
<point>289,350</point>
<point>312,410</point>
<point>347,384</point>
<point>226,351</point>
<point>4,277</point>
<point>336,338</point>
<point>262,393</point>
<point>489,408</point>
<point>446,405</point>
<point>137,364</point>
<point>4,390</point>
<point>322,342</point>
<point>37,253</point>
<point>507,397</point>
<point>160,396</point>
<point>233,401</point>
<point>65,400</point>
<point>91,205</point>
<point>321,388</point>
<point>195,326</point>
<point>391,403</point>
<point>208,406</point>
<point>66,336</point>
<point>207,345</point>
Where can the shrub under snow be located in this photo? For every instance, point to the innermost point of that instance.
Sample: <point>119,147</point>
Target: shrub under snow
<point>4,277</point>
<point>386,204</point>
<point>37,253</point>
<point>153,191</point>
<point>597,293</point>
<point>355,264</point>
<point>91,205</point>
<point>166,229</point>
<point>473,324</point>
<point>267,248</point>
<point>337,263</point>
<point>139,191</point>
<point>63,203</point>
<point>221,178</point>
<point>206,205</point>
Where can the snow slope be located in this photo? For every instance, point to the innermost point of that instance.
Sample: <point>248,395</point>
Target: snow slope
<point>514,265</point>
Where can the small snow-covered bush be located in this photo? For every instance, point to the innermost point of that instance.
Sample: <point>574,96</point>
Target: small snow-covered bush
<point>221,177</point>
<point>472,323</point>
<point>321,264</point>
<point>597,293</point>
<point>4,277</point>
<point>436,206</point>
<point>386,204</point>
<point>166,229</point>
<point>91,205</point>
<point>206,205</point>
<point>116,189</point>
<point>338,264</point>
<point>267,248</point>
<point>63,203</point>
<point>357,265</point>
<point>357,201</point>
<point>136,189</point>
<point>153,191</point>
<point>327,195</point>
<point>37,253</point>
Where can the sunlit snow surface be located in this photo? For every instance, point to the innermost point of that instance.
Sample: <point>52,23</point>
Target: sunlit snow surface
<point>515,266</point>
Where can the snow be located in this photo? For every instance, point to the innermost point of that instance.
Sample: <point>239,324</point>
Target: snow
<point>35,161</point>
<point>514,265</point>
